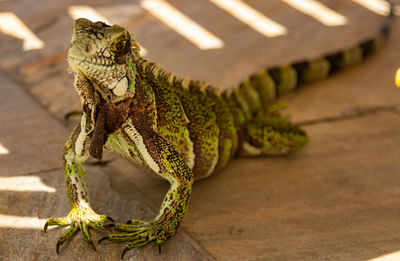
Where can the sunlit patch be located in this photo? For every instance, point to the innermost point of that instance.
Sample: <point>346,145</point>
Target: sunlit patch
<point>182,24</point>
<point>7,221</point>
<point>250,16</point>
<point>318,11</point>
<point>395,256</point>
<point>397,78</point>
<point>24,183</point>
<point>3,150</point>
<point>10,24</point>
<point>84,11</point>
<point>380,7</point>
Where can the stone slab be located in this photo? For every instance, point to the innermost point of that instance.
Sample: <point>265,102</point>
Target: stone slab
<point>335,200</point>
<point>32,136</point>
<point>115,197</point>
<point>32,190</point>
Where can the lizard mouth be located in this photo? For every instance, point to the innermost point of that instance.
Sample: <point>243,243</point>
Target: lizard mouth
<point>109,91</point>
<point>97,70</point>
<point>77,60</point>
<point>82,56</point>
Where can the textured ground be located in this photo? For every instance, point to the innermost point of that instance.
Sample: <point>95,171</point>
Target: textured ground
<point>338,199</point>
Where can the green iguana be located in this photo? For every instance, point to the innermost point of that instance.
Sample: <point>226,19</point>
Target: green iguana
<point>179,129</point>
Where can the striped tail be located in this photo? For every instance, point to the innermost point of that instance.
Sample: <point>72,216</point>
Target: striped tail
<point>256,93</point>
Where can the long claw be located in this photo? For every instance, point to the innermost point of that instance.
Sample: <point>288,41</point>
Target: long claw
<point>124,251</point>
<point>102,239</point>
<point>109,226</point>
<point>45,227</point>
<point>110,219</point>
<point>94,248</point>
<point>59,243</point>
<point>159,249</point>
<point>129,222</point>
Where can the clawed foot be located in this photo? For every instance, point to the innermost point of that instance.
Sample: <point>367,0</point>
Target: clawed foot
<point>141,233</point>
<point>78,218</point>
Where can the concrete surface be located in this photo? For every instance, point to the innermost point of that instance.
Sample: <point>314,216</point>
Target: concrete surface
<point>337,199</point>
<point>35,140</point>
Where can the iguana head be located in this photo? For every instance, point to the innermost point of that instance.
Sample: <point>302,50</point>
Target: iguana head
<point>104,56</point>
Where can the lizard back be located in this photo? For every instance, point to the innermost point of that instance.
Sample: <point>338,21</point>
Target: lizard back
<point>207,125</point>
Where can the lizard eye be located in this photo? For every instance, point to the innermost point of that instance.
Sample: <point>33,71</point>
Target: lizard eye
<point>120,45</point>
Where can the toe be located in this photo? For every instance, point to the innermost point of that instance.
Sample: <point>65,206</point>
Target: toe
<point>85,232</point>
<point>67,235</point>
<point>125,237</point>
<point>56,222</point>
<point>130,227</point>
<point>135,244</point>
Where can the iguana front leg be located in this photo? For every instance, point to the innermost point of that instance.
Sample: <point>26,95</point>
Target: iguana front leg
<point>161,157</point>
<point>81,216</point>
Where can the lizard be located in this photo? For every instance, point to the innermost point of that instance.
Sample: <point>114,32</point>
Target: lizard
<point>175,128</point>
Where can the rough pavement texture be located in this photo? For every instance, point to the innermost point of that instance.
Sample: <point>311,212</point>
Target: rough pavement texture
<point>338,199</point>
<point>34,140</point>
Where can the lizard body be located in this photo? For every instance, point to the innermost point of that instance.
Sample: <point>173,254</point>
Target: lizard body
<point>176,128</point>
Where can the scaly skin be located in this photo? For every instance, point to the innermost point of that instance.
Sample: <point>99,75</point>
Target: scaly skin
<point>178,129</point>
<point>81,215</point>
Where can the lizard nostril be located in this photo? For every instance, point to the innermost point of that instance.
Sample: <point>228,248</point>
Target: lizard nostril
<point>87,48</point>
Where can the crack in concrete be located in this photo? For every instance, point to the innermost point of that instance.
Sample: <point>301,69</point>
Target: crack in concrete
<point>353,113</point>
<point>42,171</point>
